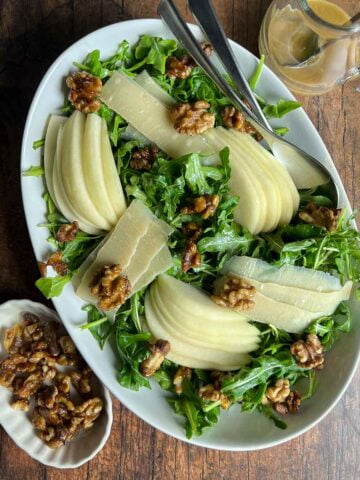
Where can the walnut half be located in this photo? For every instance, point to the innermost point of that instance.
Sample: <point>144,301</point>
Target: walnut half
<point>192,118</point>
<point>234,119</point>
<point>235,293</point>
<point>321,216</point>
<point>111,287</point>
<point>308,354</point>
<point>158,351</point>
<point>84,91</point>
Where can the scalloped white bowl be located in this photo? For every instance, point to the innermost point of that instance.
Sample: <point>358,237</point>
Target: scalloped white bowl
<point>235,430</point>
<point>18,423</point>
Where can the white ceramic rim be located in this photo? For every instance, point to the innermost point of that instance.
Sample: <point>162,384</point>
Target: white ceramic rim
<point>344,200</point>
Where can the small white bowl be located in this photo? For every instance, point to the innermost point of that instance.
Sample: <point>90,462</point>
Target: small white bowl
<point>17,423</point>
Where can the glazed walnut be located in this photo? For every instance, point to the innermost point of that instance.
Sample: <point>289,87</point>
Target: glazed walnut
<point>192,230</point>
<point>56,262</point>
<point>281,398</point>
<point>158,352</point>
<point>111,287</point>
<point>180,375</point>
<point>179,67</point>
<point>192,118</point>
<point>234,119</point>
<point>279,392</point>
<point>321,216</point>
<point>235,293</point>
<point>308,354</point>
<point>190,258</point>
<point>84,91</point>
<point>207,48</point>
<point>205,206</point>
<point>67,232</point>
<point>143,158</point>
<point>210,394</point>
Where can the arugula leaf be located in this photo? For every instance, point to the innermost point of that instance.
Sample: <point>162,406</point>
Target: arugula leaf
<point>38,143</point>
<point>281,131</point>
<point>281,108</point>
<point>153,51</point>
<point>98,324</point>
<point>253,80</point>
<point>93,65</point>
<point>52,286</point>
<point>33,171</point>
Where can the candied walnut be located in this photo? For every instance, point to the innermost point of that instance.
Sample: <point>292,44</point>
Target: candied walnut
<point>65,401</point>
<point>20,404</point>
<point>321,216</point>
<point>205,206</point>
<point>84,91</point>
<point>42,269</point>
<point>67,360</point>
<point>158,352</point>
<point>63,382</point>
<point>52,416</point>
<point>210,394</point>
<point>47,396</point>
<point>192,230</point>
<point>13,338</point>
<point>48,373</point>
<point>54,443</point>
<point>66,433</point>
<point>192,118</point>
<point>38,420</point>
<point>6,378</point>
<point>56,262</point>
<point>235,293</point>
<point>30,386</point>
<point>81,380</point>
<point>308,354</point>
<point>217,378</point>
<point>33,332</point>
<point>279,392</point>
<point>180,375</point>
<point>179,67</point>
<point>67,345</point>
<point>50,337</point>
<point>207,48</point>
<point>39,346</point>
<point>234,119</point>
<point>290,405</point>
<point>89,408</point>
<point>42,358</point>
<point>67,232</point>
<point>111,287</point>
<point>47,435</point>
<point>29,318</point>
<point>190,258</point>
<point>143,158</point>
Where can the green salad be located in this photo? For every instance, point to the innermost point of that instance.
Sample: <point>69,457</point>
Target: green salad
<point>277,374</point>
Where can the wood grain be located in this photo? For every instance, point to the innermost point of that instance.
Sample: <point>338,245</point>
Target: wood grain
<point>32,34</point>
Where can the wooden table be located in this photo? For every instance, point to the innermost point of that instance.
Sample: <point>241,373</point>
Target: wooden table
<point>32,34</point>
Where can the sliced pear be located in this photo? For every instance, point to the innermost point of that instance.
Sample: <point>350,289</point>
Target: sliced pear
<point>144,112</point>
<point>185,348</point>
<point>250,212</point>
<point>72,173</point>
<point>92,167</point>
<point>229,340</point>
<point>49,150</point>
<point>113,184</point>
<point>60,197</point>
<point>287,275</point>
<point>159,264</point>
<point>324,302</point>
<point>272,205</point>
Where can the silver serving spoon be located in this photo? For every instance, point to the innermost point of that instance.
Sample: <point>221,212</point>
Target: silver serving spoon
<point>319,50</point>
<point>306,171</point>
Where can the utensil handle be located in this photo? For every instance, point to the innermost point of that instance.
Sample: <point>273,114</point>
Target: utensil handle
<point>205,16</point>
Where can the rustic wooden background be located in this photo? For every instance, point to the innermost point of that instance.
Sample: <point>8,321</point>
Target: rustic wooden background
<point>32,34</point>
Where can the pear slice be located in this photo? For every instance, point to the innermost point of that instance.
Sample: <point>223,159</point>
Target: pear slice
<point>228,340</point>
<point>92,166</point>
<point>49,150</point>
<point>60,197</point>
<point>72,173</point>
<point>250,211</point>
<point>272,205</point>
<point>185,348</point>
<point>113,184</point>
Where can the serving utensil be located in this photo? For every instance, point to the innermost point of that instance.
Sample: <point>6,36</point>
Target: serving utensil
<point>306,171</point>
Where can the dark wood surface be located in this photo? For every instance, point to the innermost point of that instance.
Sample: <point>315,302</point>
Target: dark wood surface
<point>32,34</point>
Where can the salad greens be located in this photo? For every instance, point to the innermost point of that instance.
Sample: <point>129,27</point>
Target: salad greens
<point>165,189</point>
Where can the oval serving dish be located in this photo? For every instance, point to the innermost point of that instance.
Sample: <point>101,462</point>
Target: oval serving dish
<point>235,431</point>
<point>17,423</point>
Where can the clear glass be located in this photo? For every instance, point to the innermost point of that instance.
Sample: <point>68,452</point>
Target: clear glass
<point>312,45</point>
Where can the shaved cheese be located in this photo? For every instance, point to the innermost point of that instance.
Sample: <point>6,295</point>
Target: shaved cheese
<point>119,246</point>
<point>149,116</point>
<point>147,82</point>
<point>159,264</point>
